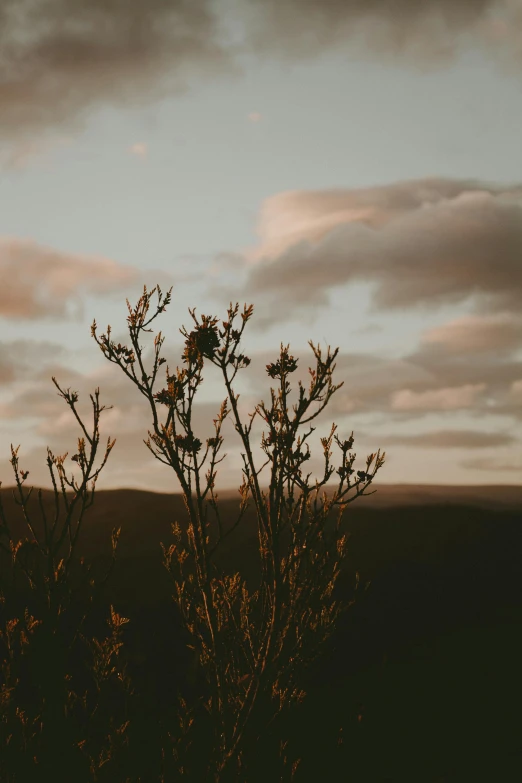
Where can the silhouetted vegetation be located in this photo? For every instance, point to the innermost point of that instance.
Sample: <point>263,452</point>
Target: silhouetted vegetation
<point>255,671</point>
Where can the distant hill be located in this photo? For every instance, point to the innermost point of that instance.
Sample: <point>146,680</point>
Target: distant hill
<point>428,657</point>
<point>489,496</point>
<point>417,522</point>
<point>501,497</point>
<point>506,497</point>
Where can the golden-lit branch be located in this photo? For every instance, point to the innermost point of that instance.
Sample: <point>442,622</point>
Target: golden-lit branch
<point>249,643</point>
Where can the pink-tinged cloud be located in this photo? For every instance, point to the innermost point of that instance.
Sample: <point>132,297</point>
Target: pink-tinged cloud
<point>39,282</point>
<point>54,424</point>
<point>476,335</point>
<point>449,399</point>
<point>405,388</point>
<point>451,439</point>
<point>368,381</point>
<point>421,243</point>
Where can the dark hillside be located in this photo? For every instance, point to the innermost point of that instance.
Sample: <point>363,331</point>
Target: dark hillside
<point>423,674</point>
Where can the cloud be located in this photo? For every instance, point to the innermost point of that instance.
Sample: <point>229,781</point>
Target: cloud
<point>403,389</point>
<point>54,424</point>
<point>20,358</point>
<point>27,151</point>
<point>62,57</point>
<point>361,371</point>
<point>494,464</point>
<point>40,399</point>
<point>498,372</point>
<point>451,439</point>
<point>369,380</point>
<point>422,382</point>
<point>37,282</point>
<point>224,263</point>
<point>500,333</point>
<point>449,399</point>
<point>427,32</point>
<point>369,385</point>
<point>369,329</point>
<point>420,244</point>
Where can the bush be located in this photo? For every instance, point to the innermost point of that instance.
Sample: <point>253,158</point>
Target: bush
<point>252,645</point>
<point>63,695</point>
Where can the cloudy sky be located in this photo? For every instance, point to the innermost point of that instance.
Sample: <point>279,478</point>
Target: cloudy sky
<point>352,168</point>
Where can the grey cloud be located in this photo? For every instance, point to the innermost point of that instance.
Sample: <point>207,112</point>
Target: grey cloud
<point>129,421</point>
<point>456,370</point>
<point>42,400</point>
<point>423,243</point>
<point>130,409</point>
<point>451,439</point>
<point>370,384</point>
<point>420,33</point>
<point>449,398</point>
<point>368,379</point>
<point>420,29</point>
<point>21,359</point>
<point>492,464</point>
<point>419,383</point>
<point>130,418</point>
<point>425,33</point>
<point>369,329</point>
<point>402,389</point>
<point>61,57</point>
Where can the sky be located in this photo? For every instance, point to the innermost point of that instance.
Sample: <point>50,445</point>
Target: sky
<point>351,168</point>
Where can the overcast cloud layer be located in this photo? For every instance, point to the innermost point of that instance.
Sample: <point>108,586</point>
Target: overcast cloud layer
<point>61,58</point>
<point>426,31</point>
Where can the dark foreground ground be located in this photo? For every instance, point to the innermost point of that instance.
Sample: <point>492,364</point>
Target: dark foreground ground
<point>423,680</point>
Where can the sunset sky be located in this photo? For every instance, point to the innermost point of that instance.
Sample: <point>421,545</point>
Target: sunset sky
<point>353,172</point>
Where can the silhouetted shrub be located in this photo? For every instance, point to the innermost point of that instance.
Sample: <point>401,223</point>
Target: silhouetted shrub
<point>65,692</point>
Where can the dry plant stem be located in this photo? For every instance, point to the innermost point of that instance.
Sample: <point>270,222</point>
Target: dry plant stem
<point>54,537</point>
<point>163,439</point>
<point>57,590</point>
<point>297,579</point>
<point>269,514</point>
